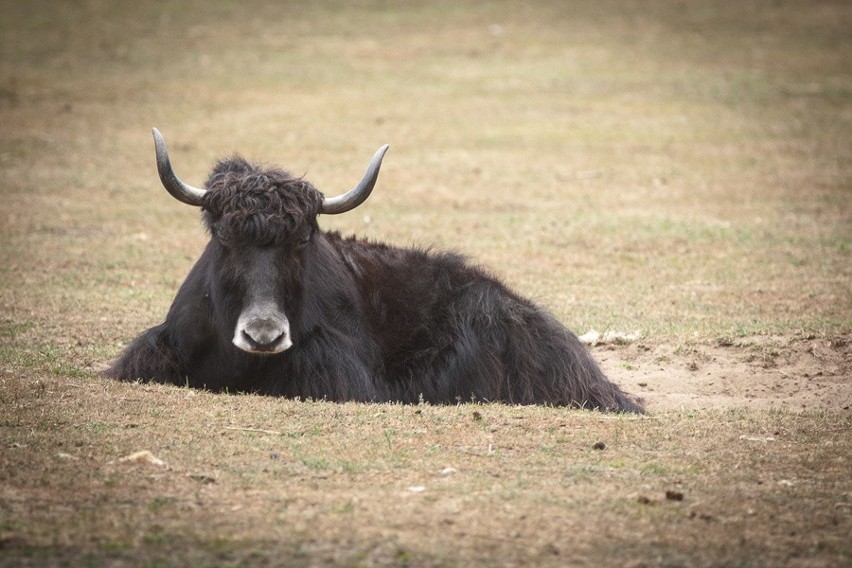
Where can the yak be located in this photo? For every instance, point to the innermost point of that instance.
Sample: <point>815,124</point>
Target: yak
<point>277,306</point>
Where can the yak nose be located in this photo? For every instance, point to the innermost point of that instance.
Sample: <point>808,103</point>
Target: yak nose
<point>263,335</point>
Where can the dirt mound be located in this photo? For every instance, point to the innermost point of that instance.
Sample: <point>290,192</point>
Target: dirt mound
<point>755,372</point>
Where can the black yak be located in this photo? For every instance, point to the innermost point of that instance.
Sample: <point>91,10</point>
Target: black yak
<point>279,307</point>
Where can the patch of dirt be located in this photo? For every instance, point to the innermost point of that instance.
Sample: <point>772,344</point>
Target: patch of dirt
<point>759,373</point>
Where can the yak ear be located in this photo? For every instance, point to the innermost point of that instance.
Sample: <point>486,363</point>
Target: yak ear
<point>358,194</point>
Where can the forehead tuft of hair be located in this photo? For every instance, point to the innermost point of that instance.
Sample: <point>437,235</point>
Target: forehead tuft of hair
<point>250,204</point>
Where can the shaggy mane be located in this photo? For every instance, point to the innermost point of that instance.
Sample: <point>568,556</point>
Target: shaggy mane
<point>250,204</point>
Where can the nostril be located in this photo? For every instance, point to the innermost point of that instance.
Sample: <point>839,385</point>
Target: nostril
<point>249,339</point>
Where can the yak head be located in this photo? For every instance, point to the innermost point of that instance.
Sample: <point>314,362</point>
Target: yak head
<point>262,223</point>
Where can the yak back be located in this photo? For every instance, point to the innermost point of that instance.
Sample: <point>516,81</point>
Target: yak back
<point>447,330</point>
<point>418,302</point>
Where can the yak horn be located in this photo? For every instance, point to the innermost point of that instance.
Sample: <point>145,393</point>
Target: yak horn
<point>358,194</point>
<point>179,190</point>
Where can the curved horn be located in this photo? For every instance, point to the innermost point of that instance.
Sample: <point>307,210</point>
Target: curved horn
<point>179,190</point>
<point>358,194</point>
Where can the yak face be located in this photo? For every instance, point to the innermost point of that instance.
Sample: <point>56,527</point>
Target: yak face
<point>254,291</point>
<point>262,223</point>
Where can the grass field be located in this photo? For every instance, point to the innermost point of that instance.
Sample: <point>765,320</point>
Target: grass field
<point>681,169</point>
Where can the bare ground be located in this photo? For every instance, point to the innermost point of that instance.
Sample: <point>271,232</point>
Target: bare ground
<point>759,373</point>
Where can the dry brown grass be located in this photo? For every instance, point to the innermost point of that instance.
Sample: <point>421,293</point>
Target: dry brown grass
<point>682,169</point>
<point>262,481</point>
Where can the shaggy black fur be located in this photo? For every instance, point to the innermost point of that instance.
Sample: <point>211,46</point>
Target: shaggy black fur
<point>369,322</point>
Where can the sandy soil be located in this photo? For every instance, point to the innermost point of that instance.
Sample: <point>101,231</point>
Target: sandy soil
<point>807,374</point>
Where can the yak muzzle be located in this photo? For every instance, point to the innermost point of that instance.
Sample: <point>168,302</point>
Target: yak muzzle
<point>263,331</point>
